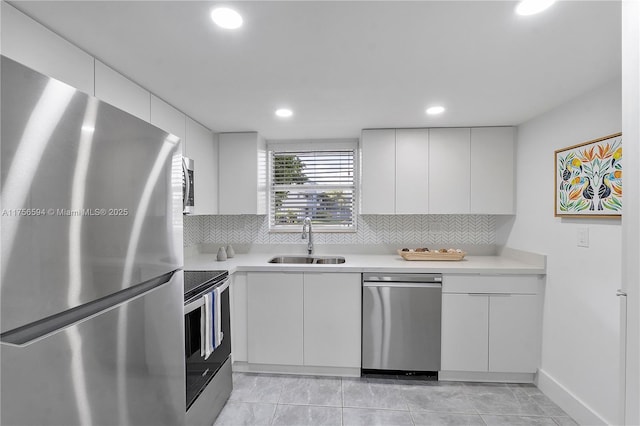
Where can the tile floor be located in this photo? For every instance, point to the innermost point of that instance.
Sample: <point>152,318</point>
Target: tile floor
<point>268,399</point>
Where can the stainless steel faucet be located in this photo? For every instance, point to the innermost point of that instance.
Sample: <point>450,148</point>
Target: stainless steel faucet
<point>307,222</point>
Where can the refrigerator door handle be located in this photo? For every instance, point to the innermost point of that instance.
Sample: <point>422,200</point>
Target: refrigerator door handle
<point>29,333</point>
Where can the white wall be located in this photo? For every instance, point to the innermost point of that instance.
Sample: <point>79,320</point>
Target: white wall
<point>631,220</point>
<point>580,349</point>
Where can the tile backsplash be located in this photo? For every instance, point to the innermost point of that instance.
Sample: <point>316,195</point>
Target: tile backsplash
<point>371,229</point>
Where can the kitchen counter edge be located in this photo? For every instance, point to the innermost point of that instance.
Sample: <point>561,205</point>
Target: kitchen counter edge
<point>479,265</point>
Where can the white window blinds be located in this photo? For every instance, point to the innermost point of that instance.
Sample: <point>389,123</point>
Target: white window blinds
<point>315,184</point>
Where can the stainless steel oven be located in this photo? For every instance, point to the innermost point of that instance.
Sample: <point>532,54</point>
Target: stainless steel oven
<point>207,344</point>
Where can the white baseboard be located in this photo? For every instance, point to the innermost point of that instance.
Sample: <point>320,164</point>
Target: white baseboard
<point>570,403</point>
<point>473,376</point>
<point>244,367</point>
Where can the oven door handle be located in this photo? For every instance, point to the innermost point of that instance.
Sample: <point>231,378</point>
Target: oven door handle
<point>224,286</point>
<point>196,304</point>
<point>192,306</point>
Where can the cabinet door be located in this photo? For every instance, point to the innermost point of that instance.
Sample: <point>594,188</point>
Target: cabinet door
<point>514,333</point>
<point>275,303</point>
<point>26,41</point>
<point>449,175</point>
<point>202,149</point>
<point>238,302</point>
<point>412,171</point>
<point>242,173</point>
<point>117,90</point>
<point>332,319</point>
<point>168,119</point>
<point>465,332</point>
<point>492,170</point>
<point>377,189</point>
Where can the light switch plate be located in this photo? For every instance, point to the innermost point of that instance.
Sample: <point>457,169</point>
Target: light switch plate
<point>583,237</point>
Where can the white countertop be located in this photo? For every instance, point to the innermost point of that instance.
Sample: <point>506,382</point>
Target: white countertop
<point>370,263</point>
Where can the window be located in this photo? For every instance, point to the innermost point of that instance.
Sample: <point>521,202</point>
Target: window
<point>317,183</point>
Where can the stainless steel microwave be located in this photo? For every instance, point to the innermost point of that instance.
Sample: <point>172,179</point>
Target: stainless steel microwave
<point>188,201</point>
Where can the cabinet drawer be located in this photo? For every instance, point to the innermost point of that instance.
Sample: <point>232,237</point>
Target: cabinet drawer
<point>512,284</point>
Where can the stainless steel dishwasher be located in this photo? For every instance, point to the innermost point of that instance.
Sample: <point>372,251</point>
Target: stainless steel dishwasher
<point>401,316</point>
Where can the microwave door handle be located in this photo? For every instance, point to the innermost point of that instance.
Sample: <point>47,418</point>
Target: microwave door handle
<point>187,184</point>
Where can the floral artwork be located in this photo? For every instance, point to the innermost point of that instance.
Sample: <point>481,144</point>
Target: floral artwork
<point>589,178</point>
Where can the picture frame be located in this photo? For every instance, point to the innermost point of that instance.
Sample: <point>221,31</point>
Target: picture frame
<point>588,179</point>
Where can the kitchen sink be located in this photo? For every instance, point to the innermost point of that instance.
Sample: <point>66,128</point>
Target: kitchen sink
<point>329,260</point>
<point>309,260</point>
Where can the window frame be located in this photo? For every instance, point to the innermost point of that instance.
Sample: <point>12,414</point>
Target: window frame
<point>312,145</point>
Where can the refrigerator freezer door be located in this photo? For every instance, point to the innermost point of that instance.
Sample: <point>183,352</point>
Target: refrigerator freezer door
<point>91,198</point>
<point>122,367</point>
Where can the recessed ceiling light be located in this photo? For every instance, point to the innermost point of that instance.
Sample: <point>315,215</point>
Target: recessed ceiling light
<point>531,7</point>
<point>226,18</point>
<point>435,110</point>
<point>284,112</point>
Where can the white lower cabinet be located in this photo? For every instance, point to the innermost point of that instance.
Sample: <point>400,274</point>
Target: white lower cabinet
<point>491,324</point>
<point>332,319</point>
<point>514,343</point>
<point>303,319</point>
<point>465,332</point>
<point>238,311</point>
<point>275,314</point>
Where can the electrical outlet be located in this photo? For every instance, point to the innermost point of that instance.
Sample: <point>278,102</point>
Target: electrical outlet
<point>583,237</point>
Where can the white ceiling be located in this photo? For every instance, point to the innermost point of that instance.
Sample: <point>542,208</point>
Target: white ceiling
<point>347,65</point>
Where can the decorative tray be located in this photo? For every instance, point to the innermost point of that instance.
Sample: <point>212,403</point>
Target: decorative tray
<point>431,255</point>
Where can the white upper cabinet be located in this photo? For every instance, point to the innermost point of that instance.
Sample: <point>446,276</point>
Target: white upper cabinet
<point>201,147</point>
<point>116,89</point>
<point>492,170</point>
<point>242,173</point>
<point>449,172</point>
<point>168,119</point>
<point>437,171</point>
<point>198,143</point>
<point>412,171</point>
<point>26,41</point>
<point>378,171</point>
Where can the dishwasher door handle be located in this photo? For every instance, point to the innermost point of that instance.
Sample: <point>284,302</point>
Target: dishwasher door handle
<point>401,285</point>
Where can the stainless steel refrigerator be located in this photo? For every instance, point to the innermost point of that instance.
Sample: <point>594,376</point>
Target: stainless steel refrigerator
<point>91,290</point>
